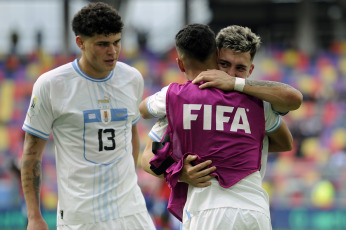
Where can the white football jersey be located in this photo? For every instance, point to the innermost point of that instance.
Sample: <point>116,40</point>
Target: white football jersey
<point>246,194</point>
<point>91,120</point>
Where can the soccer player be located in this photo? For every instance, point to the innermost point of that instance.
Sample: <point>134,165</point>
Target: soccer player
<point>91,106</point>
<point>209,207</point>
<point>237,47</point>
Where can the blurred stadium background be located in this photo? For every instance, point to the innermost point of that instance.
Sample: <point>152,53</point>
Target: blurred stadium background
<point>303,44</point>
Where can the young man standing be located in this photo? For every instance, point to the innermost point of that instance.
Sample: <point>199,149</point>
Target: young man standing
<point>91,106</point>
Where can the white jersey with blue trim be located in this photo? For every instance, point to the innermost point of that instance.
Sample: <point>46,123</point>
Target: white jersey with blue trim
<point>246,194</point>
<point>91,120</point>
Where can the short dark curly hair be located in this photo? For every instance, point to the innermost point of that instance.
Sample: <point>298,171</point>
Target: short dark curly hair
<point>97,18</point>
<point>196,41</point>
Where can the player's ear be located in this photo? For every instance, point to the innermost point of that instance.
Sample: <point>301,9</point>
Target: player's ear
<point>251,69</point>
<point>79,42</point>
<point>180,65</point>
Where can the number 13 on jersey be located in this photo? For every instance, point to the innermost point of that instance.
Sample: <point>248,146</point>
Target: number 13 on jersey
<point>103,141</point>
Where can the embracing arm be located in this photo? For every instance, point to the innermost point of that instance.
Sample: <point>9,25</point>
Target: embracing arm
<point>280,140</point>
<point>144,110</point>
<point>146,157</point>
<point>197,175</point>
<point>31,179</point>
<point>282,97</point>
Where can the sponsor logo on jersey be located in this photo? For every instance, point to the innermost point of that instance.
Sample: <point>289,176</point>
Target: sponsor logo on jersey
<point>103,101</point>
<point>119,114</point>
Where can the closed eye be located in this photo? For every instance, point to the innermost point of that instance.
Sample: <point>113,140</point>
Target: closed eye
<point>241,68</point>
<point>104,44</point>
<point>224,64</point>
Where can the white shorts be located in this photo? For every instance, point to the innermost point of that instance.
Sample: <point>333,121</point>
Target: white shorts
<point>138,221</point>
<point>227,219</point>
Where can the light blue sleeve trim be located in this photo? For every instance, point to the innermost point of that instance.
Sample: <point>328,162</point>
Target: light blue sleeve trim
<point>154,136</point>
<point>278,113</point>
<point>275,127</point>
<point>135,121</point>
<point>35,132</point>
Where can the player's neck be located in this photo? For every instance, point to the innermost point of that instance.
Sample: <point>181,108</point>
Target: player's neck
<point>194,72</point>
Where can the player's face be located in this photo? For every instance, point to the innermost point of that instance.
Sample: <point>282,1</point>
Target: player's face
<point>100,54</point>
<point>235,64</point>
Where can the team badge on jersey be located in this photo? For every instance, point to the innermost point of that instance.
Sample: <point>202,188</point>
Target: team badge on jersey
<point>34,108</point>
<point>106,116</point>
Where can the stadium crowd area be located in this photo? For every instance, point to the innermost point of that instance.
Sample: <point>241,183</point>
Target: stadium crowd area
<point>311,176</point>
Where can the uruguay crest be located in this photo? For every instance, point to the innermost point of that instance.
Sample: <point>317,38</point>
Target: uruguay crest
<point>106,115</point>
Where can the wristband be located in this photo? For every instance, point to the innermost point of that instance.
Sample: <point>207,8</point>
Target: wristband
<point>239,84</point>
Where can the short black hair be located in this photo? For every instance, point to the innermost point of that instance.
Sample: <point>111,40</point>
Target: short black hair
<point>97,18</point>
<point>196,41</point>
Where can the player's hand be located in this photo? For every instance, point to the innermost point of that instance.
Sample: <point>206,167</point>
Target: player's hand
<point>198,175</point>
<point>37,224</point>
<point>215,78</point>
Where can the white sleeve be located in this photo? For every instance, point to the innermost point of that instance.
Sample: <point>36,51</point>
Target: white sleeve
<point>39,117</point>
<point>272,119</point>
<point>156,104</point>
<point>140,89</point>
<point>158,130</point>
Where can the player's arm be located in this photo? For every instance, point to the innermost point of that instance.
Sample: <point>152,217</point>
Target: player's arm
<point>197,176</point>
<point>280,140</point>
<point>135,144</point>
<point>146,157</point>
<point>143,109</point>
<point>154,106</point>
<point>31,180</point>
<point>282,97</point>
